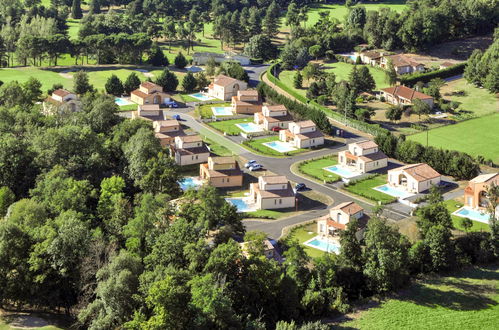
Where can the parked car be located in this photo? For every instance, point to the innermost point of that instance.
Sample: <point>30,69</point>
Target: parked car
<point>300,187</point>
<point>177,117</point>
<point>255,167</point>
<point>172,104</point>
<point>276,129</point>
<point>249,163</point>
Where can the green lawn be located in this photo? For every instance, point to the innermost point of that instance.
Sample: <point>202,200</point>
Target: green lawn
<point>229,126</point>
<point>453,205</point>
<point>477,100</point>
<point>257,145</point>
<point>303,234</point>
<point>46,77</point>
<point>315,168</point>
<point>205,111</point>
<point>217,149</point>
<point>128,107</point>
<point>268,214</point>
<point>466,300</point>
<point>475,136</point>
<point>187,98</point>
<point>365,189</point>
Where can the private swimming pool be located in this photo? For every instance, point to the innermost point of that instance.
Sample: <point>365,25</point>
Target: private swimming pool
<point>467,212</point>
<point>121,101</point>
<point>241,204</point>
<point>202,97</point>
<point>222,111</point>
<point>399,193</point>
<point>249,127</point>
<point>191,182</point>
<point>280,146</point>
<point>323,245</point>
<point>341,171</point>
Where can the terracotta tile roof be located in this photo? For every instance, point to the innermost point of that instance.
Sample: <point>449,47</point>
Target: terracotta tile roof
<point>149,107</point>
<point>167,123</point>
<point>191,138</point>
<point>223,160</point>
<point>402,60</point>
<point>278,193</point>
<point>484,178</point>
<point>248,93</point>
<point>368,144</point>
<point>139,93</point>
<point>406,93</point>
<point>372,54</point>
<point>277,119</point>
<point>274,179</point>
<point>278,107</point>
<point>334,224</point>
<point>61,92</point>
<point>148,85</point>
<point>349,208</point>
<point>305,123</point>
<point>420,172</point>
<point>373,157</point>
<point>223,173</point>
<point>222,80</point>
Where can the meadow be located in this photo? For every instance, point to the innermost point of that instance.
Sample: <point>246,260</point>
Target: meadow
<point>466,300</point>
<point>479,101</point>
<point>475,137</point>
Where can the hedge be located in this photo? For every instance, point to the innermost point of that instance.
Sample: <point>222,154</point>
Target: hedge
<point>425,77</point>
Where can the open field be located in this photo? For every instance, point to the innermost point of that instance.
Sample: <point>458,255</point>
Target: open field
<point>365,189</point>
<point>475,136</point>
<point>466,300</point>
<point>46,77</point>
<point>471,98</point>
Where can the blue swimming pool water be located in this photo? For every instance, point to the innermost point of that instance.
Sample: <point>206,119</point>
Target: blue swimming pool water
<point>343,172</point>
<point>201,96</point>
<point>222,111</point>
<point>279,146</point>
<point>249,127</point>
<point>323,245</point>
<point>466,212</point>
<point>353,57</point>
<point>190,183</point>
<point>121,102</point>
<point>240,204</point>
<point>399,193</point>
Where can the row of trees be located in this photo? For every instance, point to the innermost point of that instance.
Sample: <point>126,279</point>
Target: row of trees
<point>482,68</point>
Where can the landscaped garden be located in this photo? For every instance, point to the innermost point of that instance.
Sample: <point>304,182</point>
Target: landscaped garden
<point>315,168</point>
<point>364,188</point>
<point>466,300</point>
<point>205,110</point>
<point>257,145</point>
<point>475,137</point>
<point>229,126</point>
<point>303,234</point>
<point>453,205</point>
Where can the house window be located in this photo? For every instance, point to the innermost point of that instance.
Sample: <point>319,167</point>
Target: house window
<point>228,180</point>
<point>196,157</point>
<point>275,201</point>
<point>192,157</point>
<point>280,201</point>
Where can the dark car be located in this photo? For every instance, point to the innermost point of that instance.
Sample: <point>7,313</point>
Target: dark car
<point>177,117</point>
<point>300,187</point>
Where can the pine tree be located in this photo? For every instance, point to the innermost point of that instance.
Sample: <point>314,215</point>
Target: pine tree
<point>76,12</point>
<point>168,80</point>
<point>156,56</point>
<point>189,83</point>
<point>81,84</point>
<point>131,83</point>
<point>114,86</point>
<point>211,65</point>
<point>180,61</point>
<point>366,79</point>
<point>298,80</point>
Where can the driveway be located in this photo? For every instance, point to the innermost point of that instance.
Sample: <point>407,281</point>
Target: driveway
<point>254,72</point>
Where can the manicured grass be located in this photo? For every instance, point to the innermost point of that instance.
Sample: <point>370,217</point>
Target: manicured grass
<point>465,300</point>
<point>477,100</point>
<point>314,168</point>
<point>453,205</point>
<point>303,234</point>
<point>217,149</point>
<point>128,107</point>
<point>46,77</point>
<point>229,126</point>
<point>98,78</point>
<point>365,189</point>
<point>187,98</point>
<point>205,111</point>
<point>266,214</point>
<point>257,145</point>
<point>475,136</point>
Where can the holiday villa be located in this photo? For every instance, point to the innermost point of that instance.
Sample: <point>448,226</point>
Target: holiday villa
<point>338,218</point>
<point>302,134</point>
<point>402,95</point>
<point>59,100</point>
<point>167,130</point>
<point>475,194</point>
<point>363,156</point>
<point>414,178</point>
<point>224,87</point>
<point>149,93</point>
<point>221,172</point>
<point>273,116</point>
<point>246,102</point>
<point>272,192</point>
<point>189,149</point>
<point>148,110</point>
<point>402,63</point>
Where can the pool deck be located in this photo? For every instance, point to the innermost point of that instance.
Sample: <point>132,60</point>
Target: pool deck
<point>456,213</point>
<point>290,148</point>
<point>404,196</point>
<point>331,241</point>
<point>354,174</point>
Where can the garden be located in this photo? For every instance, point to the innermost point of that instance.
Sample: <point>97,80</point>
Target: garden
<point>257,145</point>
<point>315,168</point>
<point>453,205</point>
<point>229,126</point>
<point>302,234</point>
<point>205,110</point>
<point>364,187</point>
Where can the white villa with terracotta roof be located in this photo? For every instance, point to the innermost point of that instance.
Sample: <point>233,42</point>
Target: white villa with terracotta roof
<point>224,87</point>
<point>402,95</point>
<point>221,172</point>
<point>272,192</point>
<point>189,149</point>
<point>338,218</point>
<point>363,156</point>
<point>59,100</point>
<point>273,116</point>
<point>246,102</point>
<point>167,130</point>
<point>475,194</point>
<point>414,178</point>
<point>302,134</point>
<point>402,63</point>
<point>149,93</point>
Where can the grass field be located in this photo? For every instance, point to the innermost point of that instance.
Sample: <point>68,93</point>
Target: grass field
<point>466,300</point>
<point>257,145</point>
<point>314,168</point>
<point>477,100</point>
<point>229,126</point>
<point>46,77</point>
<point>478,136</point>
<point>456,221</point>
<point>303,234</point>
<point>365,189</point>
